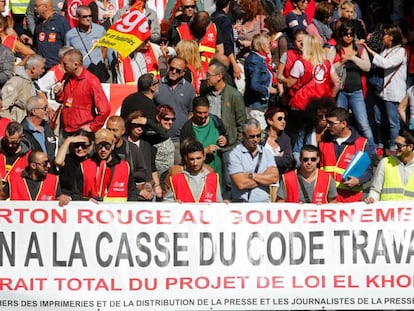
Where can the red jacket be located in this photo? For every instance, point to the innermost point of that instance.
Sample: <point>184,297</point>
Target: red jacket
<point>320,192</point>
<point>183,193</point>
<point>19,189</point>
<point>17,167</point>
<point>84,103</point>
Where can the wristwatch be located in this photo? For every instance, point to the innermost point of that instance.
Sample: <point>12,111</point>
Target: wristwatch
<point>250,175</point>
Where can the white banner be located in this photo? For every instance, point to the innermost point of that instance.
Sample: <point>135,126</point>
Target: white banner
<point>162,256</point>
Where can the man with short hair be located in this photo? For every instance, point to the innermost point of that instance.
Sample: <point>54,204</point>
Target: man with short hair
<point>337,151</point>
<point>49,34</point>
<point>127,150</point>
<point>227,103</point>
<point>114,181</point>
<point>85,105</point>
<point>36,127</point>
<point>178,93</point>
<point>252,167</point>
<point>143,99</point>
<point>84,37</point>
<point>20,87</point>
<point>13,152</point>
<point>308,184</point>
<point>35,183</point>
<point>188,9</point>
<point>195,183</point>
<point>394,175</point>
<point>209,130</point>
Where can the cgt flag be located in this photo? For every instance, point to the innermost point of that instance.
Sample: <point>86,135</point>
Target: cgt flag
<point>129,32</point>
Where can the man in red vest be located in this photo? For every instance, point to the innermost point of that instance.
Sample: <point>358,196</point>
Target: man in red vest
<point>195,183</point>
<point>337,151</point>
<point>35,183</point>
<point>205,33</point>
<point>114,180</point>
<point>308,184</point>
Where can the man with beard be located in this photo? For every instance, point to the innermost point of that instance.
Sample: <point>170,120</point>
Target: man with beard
<point>209,130</point>
<point>114,181</point>
<point>252,167</point>
<point>36,127</point>
<point>178,93</point>
<point>14,151</point>
<point>195,183</point>
<point>393,179</point>
<point>205,33</point>
<point>308,184</point>
<point>35,183</point>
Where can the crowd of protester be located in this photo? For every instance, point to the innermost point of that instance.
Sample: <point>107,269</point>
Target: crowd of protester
<point>237,101</point>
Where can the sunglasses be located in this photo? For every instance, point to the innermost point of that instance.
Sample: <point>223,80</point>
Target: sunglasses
<point>313,159</point>
<point>44,163</point>
<point>332,123</point>
<point>321,116</point>
<point>254,136</point>
<point>85,16</point>
<point>12,143</point>
<point>107,146</point>
<point>189,6</point>
<point>84,146</point>
<point>400,146</point>
<point>177,70</point>
<point>281,119</point>
<point>348,34</point>
<point>137,125</point>
<point>169,119</point>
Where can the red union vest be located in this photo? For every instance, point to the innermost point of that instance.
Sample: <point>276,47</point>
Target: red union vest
<point>336,167</point>
<point>320,193</point>
<point>207,45</point>
<point>20,191</point>
<point>315,83</point>
<point>118,188</point>
<point>196,76</point>
<point>151,63</point>
<point>16,168</point>
<point>88,168</point>
<point>183,192</point>
<point>57,72</point>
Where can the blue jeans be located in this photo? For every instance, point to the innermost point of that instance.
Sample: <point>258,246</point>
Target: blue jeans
<point>386,116</point>
<point>355,102</point>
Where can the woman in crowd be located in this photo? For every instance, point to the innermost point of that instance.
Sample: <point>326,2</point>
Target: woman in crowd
<point>164,157</point>
<point>347,13</point>
<point>297,19</point>
<point>311,76</point>
<point>320,22</point>
<point>394,62</point>
<point>260,77</point>
<point>276,140</point>
<point>12,42</point>
<point>278,41</point>
<point>252,22</point>
<point>73,164</point>
<point>188,49</point>
<point>351,62</point>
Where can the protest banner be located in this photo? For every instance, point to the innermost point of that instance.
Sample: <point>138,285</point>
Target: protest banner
<point>129,32</point>
<point>168,256</point>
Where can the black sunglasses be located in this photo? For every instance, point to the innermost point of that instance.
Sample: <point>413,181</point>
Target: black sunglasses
<point>137,125</point>
<point>313,159</point>
<point>281,119</point>
<point>82,145</point>
<point>169,119</point>
<point>177,70</point>
<point>85,16</point>
<point>189,6</point>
